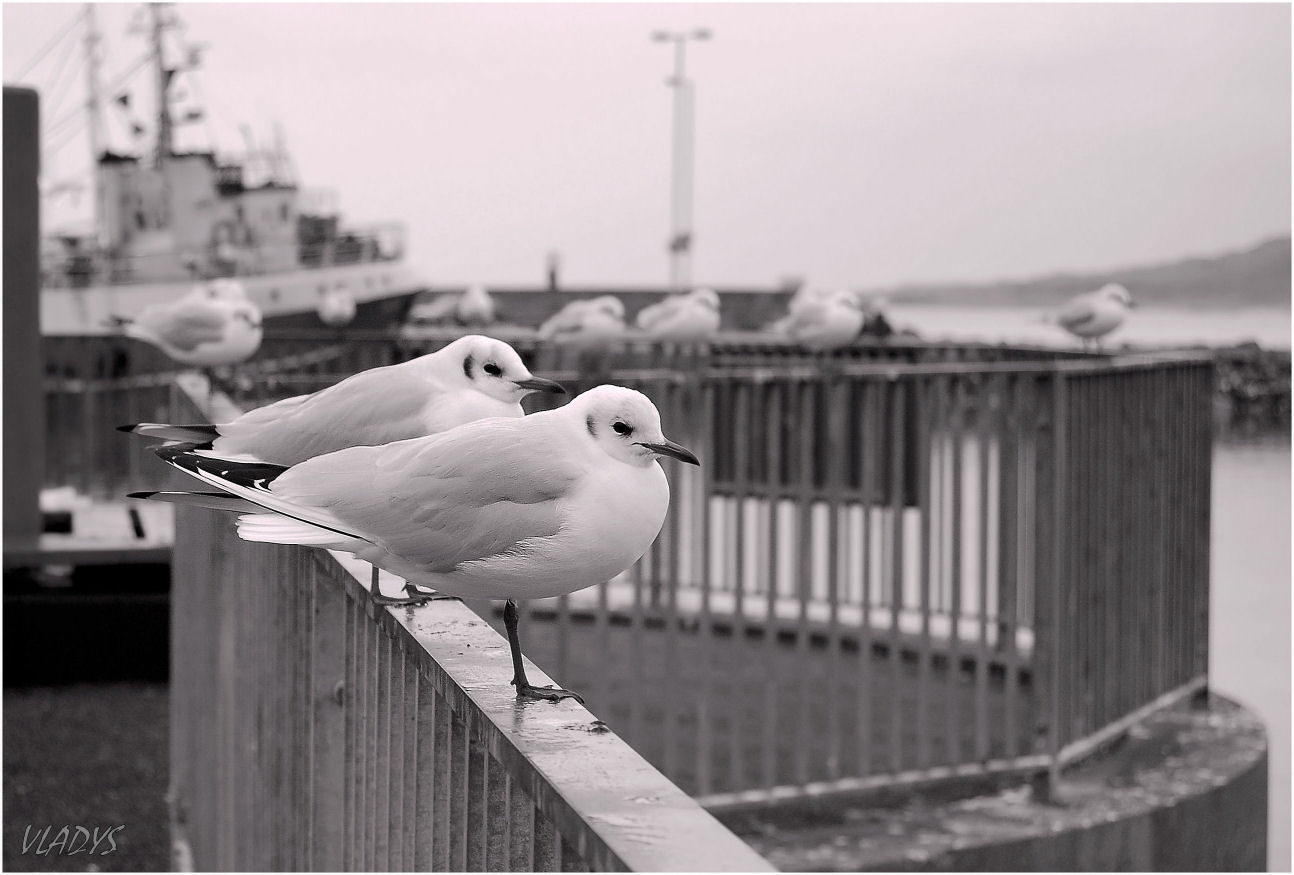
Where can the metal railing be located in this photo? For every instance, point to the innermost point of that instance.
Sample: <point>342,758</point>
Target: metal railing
<point>892,571</point>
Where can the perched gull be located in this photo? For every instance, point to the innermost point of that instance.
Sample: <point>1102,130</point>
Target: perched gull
<point>1093,315</point>
<point>475,307</point>
<point>215,324</point>
<point>533,507</point>
<point>690,316</point>
<point>336,307</point>
<point>590,321</point>
<point>826,321</point>
<point>474,377</point>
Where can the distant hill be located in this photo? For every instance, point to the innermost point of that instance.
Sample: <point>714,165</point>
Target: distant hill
<point>1255,277</point>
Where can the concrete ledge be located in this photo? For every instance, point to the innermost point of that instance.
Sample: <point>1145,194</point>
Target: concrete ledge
<point>1186,790</point>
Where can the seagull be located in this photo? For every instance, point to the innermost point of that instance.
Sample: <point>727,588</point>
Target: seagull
<point>531,507</point>
<point>336,307</point>
<point>1093,315</point>
<point>590,321</point>
<point>475,307</point>
<point>215,324</point>
<point>690,316</point>
<point>826,321</point>
<point>475,377</point>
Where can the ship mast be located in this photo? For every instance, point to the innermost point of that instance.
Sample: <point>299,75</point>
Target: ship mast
<point>165,124</point>
<point>93,112</point>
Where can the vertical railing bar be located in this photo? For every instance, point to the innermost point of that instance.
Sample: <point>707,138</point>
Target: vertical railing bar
<point>741,425</point>
<point>521,829</point>
<point>869,444</point>
<point>382,749</point>
<point>897,546</point>
<point>442,788</point>
<point>458,793</point>
<point>477,802</point>
<point>548,854</point>
<point>956,434</point>
<point>496,818</point>
<point>773,422</point>
<point>1008,553</point>
<point>671,715</point>
<point>426,818</point>
<point>987,422</point>
<point>927,401</point>
<point>806,433</point>
<point>704,745</point>
<point>836,401</point>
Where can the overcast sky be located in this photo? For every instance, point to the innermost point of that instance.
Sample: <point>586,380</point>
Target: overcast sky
<point>855,145</point>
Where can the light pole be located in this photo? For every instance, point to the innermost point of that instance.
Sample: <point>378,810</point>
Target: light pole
<point>680,241</point>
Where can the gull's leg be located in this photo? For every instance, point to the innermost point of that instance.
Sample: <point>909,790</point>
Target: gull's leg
<point>524,689</point>
<point>412,589</point>
<point>376,597</point>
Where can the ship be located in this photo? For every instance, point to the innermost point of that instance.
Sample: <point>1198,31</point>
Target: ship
<point>166,219</point>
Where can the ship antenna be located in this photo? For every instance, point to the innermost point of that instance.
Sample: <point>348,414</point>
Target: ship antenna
<point>93,111</point>
<point>164,122</point>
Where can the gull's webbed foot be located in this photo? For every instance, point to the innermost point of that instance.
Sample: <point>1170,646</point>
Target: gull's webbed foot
<point>398,601</point>
<point>428,595</point>
<point>551,694</point>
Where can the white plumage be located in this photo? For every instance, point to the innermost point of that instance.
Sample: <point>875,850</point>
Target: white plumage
<point>215,324</point>
<point>474,377</point>
<point>1095,314</point>
<point>690,316</point>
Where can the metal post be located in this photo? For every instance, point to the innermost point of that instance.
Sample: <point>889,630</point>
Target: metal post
<point>24,401</point>
<point>680,241</point>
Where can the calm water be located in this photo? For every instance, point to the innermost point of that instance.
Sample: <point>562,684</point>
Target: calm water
<point>1250,628</point>
<point>1155,326</point>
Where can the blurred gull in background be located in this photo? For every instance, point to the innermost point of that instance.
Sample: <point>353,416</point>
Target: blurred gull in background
<point>825,321</point>
<point>529,507</point>
<point>587,322</point>
<point>215,324</point>
<point>1093,315</point>
<point>690,316</point>
<point>475,308</point>
<point>336,307</point>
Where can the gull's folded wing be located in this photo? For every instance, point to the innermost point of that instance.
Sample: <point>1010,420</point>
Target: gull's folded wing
<point>470,493</point>
<point>371,407</point>
<point>1076,313</point>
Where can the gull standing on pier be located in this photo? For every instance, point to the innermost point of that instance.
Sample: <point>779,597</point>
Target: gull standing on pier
<point>475,377</point>
<point>1093,315</point>
<point>826,322</point>
<point>533,507</point>
<point>587,322</point>
<point>215,324</point>
<point>691,316</point>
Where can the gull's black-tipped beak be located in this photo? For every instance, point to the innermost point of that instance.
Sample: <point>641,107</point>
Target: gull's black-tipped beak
<point>669,448</point>
<point>539,384</point>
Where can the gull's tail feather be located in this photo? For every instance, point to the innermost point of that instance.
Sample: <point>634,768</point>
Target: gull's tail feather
<point>275,529</point>
<point>213,500</point>
<point>200,434</point>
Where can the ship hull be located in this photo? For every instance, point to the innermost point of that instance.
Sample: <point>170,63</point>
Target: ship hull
<point>382,290</point>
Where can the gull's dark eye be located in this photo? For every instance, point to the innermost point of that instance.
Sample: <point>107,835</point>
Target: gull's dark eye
<point>622,428</point>
<point>492,369</point>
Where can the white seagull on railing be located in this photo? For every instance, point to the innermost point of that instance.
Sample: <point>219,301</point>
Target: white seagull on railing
<point>586,322</point>
<point>690,316</point>
<point>213,325</point>
<point>533,507</point>
<point>1093,315</point>
<point>827,321</point>
<point>474,377</point>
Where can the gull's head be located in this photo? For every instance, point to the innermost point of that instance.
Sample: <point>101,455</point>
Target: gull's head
<point>490,367</point>
<point>709,297</point>
<point>1116,292</point>
<point>608,304</point>
<point>625,425</point>
<point>228,290</point>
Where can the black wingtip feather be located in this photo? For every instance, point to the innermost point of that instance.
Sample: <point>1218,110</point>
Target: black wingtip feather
<point>141,494</point>
<point>253,475</point>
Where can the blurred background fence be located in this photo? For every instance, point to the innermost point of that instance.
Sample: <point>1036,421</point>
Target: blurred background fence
<point>895,563</point>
